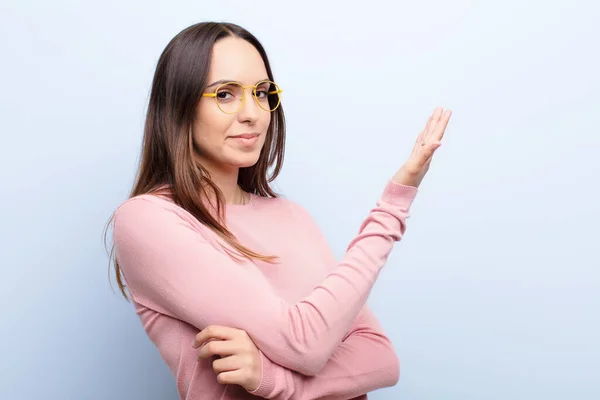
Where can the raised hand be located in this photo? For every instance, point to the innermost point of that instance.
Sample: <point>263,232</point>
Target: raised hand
<point>428,141</point>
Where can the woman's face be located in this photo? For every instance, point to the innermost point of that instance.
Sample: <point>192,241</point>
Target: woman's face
<point>215,133</point>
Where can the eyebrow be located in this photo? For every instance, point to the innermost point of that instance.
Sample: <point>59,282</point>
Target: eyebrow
<point>221,81</point>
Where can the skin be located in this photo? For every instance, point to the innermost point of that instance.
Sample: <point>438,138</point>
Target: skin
<point>221,154</point>
<point>237,359</point>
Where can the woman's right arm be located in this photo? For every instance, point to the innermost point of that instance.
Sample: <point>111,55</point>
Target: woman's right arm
<point>171,268</point>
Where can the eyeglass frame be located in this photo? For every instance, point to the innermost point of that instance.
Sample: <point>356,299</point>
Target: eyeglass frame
<point>253,87</point>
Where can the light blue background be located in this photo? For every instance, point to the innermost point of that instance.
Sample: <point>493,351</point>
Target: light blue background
<point>493,294</point>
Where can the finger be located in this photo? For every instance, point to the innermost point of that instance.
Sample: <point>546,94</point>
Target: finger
<point>434,121</point>
<point>231,377</point>
<point>221,348</point>
<point>421,137</point>
<point>428,125</point>
<point>230,363</point>
<point>441,126</point>
<point>214,332</point>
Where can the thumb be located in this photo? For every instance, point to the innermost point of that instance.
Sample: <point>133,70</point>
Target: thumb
<point>427,152</point>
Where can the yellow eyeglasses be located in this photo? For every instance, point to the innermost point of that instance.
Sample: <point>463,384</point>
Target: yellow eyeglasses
<point>230,96</point>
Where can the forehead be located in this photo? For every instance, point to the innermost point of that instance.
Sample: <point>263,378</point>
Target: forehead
<point>238,60</point>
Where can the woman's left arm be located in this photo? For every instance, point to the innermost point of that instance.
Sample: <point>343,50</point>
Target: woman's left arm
<point>364,361</point>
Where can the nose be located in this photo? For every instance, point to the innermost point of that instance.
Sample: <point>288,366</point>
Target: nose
<point>249,110</point>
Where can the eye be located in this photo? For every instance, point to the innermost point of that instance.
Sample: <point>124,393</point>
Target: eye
<point>224,95</point>
<point>262,93</point>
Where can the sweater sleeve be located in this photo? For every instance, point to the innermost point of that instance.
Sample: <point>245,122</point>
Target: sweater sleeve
<point>170,267</point>
<point>363,362</point>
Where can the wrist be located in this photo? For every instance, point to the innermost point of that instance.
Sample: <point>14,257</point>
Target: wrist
<point>267,378</point>
<point>407,178</point>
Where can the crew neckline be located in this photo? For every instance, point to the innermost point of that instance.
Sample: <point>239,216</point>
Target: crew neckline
<point>251,200</point>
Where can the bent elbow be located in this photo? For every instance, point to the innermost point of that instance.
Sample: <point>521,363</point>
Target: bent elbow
<point>313,363</point>
<point>395,370</point>
<point>391,369</point>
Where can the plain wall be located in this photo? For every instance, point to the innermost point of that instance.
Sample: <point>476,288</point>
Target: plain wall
<point>493,293</point>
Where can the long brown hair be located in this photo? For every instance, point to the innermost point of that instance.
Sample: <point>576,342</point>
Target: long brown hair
<point>168,156</point>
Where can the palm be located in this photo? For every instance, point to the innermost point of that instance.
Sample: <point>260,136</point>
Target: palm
<point>428,141</point>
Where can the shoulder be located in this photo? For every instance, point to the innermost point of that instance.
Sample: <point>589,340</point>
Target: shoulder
<point>149,214</point>
<point>142,206</point>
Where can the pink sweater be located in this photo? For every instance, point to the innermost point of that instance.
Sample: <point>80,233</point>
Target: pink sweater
<point>306,314</point>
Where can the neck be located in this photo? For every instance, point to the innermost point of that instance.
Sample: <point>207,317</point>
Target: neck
<point>227,181</point>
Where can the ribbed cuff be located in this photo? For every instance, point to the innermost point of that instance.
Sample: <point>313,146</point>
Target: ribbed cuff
<point>267,382</point>
<point>399,194</point>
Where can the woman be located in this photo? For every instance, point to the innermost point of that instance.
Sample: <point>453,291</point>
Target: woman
<point>236,286</point>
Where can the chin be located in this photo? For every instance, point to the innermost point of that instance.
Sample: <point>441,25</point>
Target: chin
<point>244,160</point>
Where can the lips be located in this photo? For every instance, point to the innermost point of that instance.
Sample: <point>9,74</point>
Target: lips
<point>246,136</point>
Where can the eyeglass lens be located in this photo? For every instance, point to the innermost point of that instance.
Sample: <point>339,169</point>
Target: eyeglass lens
<point>229,96</point>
